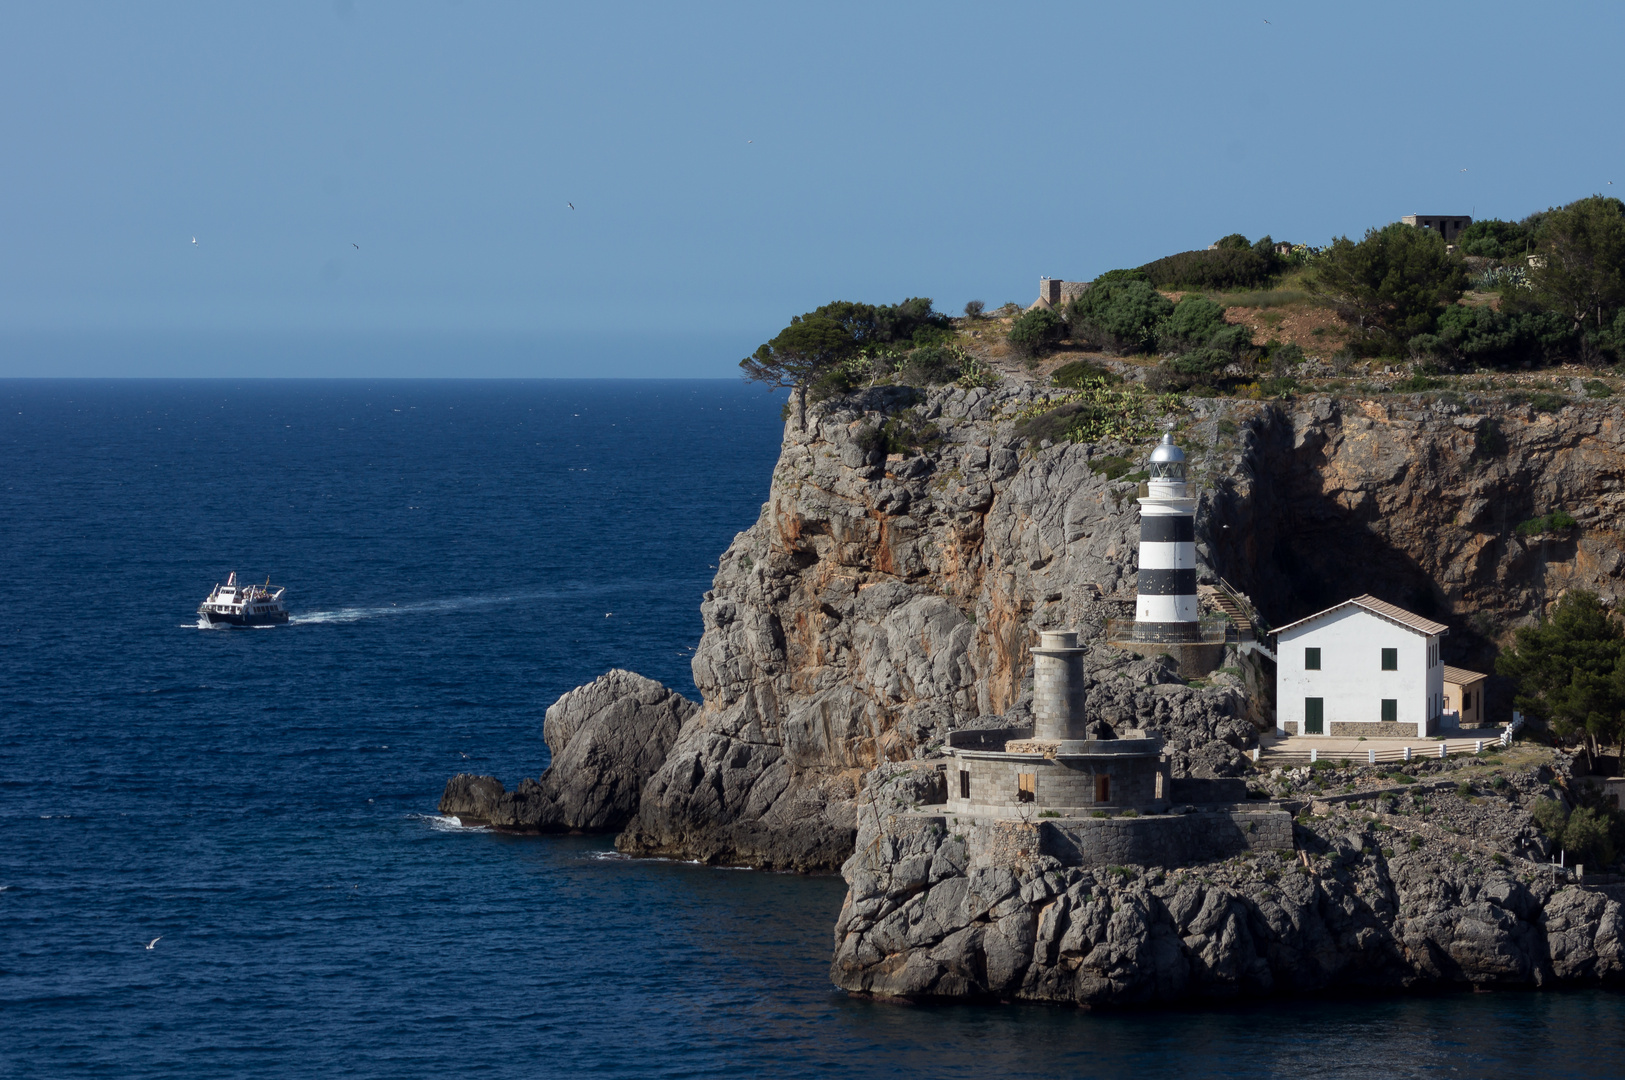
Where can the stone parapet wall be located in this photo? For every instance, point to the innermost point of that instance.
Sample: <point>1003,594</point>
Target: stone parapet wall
<point>1058,782</point>
<point>1165,840</point>
<point>1350,729</point>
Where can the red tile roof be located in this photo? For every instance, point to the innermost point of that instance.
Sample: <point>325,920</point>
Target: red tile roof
<point>1382,609</point>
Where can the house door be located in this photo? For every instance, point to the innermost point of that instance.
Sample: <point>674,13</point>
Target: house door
<point>1314,716</point>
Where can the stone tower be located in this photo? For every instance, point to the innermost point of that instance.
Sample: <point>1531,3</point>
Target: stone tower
<point>1058,687</point>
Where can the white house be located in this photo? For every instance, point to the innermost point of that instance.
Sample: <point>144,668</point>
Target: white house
<point>1364,667</point>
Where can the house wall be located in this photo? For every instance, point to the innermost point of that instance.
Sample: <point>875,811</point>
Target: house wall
<point>1351,679</point>
<point>1472,716</point>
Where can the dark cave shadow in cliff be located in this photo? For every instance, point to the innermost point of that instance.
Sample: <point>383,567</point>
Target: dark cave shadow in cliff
<point>1295,551</point>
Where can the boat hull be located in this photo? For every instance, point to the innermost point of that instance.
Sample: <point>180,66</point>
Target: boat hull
<point>264,618</point>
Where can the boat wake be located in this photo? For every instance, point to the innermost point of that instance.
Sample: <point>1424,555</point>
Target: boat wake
<point>422,607</point>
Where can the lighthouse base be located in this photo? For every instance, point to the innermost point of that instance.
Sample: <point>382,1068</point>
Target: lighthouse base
<point>1197,648</point>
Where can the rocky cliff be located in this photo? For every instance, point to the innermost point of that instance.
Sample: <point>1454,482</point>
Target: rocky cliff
<point>884,598</point>
<point>606,739</point>
<point>1382,892</point>
<point>881,599</point>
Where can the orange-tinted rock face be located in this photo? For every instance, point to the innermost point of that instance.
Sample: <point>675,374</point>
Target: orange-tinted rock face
<point>877,604</point>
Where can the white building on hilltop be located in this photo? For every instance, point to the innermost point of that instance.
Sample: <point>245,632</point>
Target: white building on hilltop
<point>1364,667</point>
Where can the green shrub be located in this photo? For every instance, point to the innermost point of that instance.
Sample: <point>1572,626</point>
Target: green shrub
<point>1224,267</point>
<point>1091,413</point>
<point>1079,372</point>
<point>974,309</point>
<point>1596,388</point>
<point>1587,836</point>
<point>1285,357</point>
<point>1119,314</point>
<point>1555,521</point>
<point>1111,467</point>
<point>1402,778</point>
<point>1392,283</point>
<point>1416,384</point>
<point>1464,789</point>
<point>1495,239</point>
<point>1202,361</point>
<point>1036,332</point>
<point>1485,337</point>
<point>931,365</point>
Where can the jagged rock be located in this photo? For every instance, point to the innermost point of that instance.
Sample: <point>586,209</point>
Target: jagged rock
<point>607,738</point>
<point>924,917</point>
<point>877,605</point>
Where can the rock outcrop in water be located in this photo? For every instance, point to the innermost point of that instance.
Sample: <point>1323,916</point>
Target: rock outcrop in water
<point>607,738</point>
<point>1380,893</point>
<point>880,601</point>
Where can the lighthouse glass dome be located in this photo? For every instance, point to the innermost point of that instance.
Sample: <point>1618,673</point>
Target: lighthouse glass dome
<point>1168,461</point>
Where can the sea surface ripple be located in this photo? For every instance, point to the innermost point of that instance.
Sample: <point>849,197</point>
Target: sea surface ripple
<point>457,554</point>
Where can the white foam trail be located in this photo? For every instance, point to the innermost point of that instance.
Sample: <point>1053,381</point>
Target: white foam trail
<point>422,607</point>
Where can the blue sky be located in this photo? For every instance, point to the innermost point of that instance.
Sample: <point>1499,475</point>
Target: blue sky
<point>382,189</point>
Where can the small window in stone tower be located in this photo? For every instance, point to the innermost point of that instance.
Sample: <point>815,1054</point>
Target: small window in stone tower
<point>1390,659</point>
<point>1026,786</point>
<point>1103,789</point>
<point>964,783</point>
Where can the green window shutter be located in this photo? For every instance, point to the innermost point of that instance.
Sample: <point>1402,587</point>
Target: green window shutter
<point>1390,709</point>
<point>1311,659</point>
<point>1390,659</point>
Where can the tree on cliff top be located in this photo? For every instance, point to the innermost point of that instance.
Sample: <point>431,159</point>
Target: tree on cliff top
<point>1568,670</point>
<point>811,352</point>
<point>1393,283</point>
<point>1582,269</point>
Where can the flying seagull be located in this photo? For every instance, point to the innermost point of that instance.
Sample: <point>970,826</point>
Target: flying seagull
<point>194,241</point>
<point>155,941</point>
<point>571,205</point>
<point>356,246</point>
<point>750,140</point>
<point>1267,22</point>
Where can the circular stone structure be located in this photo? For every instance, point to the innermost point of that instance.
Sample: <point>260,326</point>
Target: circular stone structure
<point>1054,769</point>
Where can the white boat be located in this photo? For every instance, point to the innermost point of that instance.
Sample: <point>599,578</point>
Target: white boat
<point>244,605</point>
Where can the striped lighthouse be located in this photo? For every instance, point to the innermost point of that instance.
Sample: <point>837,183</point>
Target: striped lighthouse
<point>1165,605</point>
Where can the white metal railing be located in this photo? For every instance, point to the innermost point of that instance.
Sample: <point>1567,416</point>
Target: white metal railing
<point>1373,756</point>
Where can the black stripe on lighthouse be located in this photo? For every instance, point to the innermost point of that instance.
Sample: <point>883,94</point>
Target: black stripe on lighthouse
<point>1167,582</point>
<point>1167,529</point>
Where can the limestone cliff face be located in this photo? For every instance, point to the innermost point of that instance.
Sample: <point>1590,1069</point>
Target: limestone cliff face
<point>880,601</point>
<point>1327,498</point>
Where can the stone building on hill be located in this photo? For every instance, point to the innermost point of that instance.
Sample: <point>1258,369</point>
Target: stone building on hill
<point>1053,292</point>
<point>1446,225</point>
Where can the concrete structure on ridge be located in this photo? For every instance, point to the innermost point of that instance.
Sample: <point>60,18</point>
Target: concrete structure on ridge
<point>1053,292</point>
<point>1446,225</point>
<point>1362,668</point>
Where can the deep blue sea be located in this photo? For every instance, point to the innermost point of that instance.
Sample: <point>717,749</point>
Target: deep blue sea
<point>262,802</point>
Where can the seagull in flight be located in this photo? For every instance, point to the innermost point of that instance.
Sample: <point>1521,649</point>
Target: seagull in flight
<point>356,246</point>
<point>571,205</point>
<point>155,941</point>
<point>1267,22</point>
<point>750,140</point>
<point>194,241</point>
